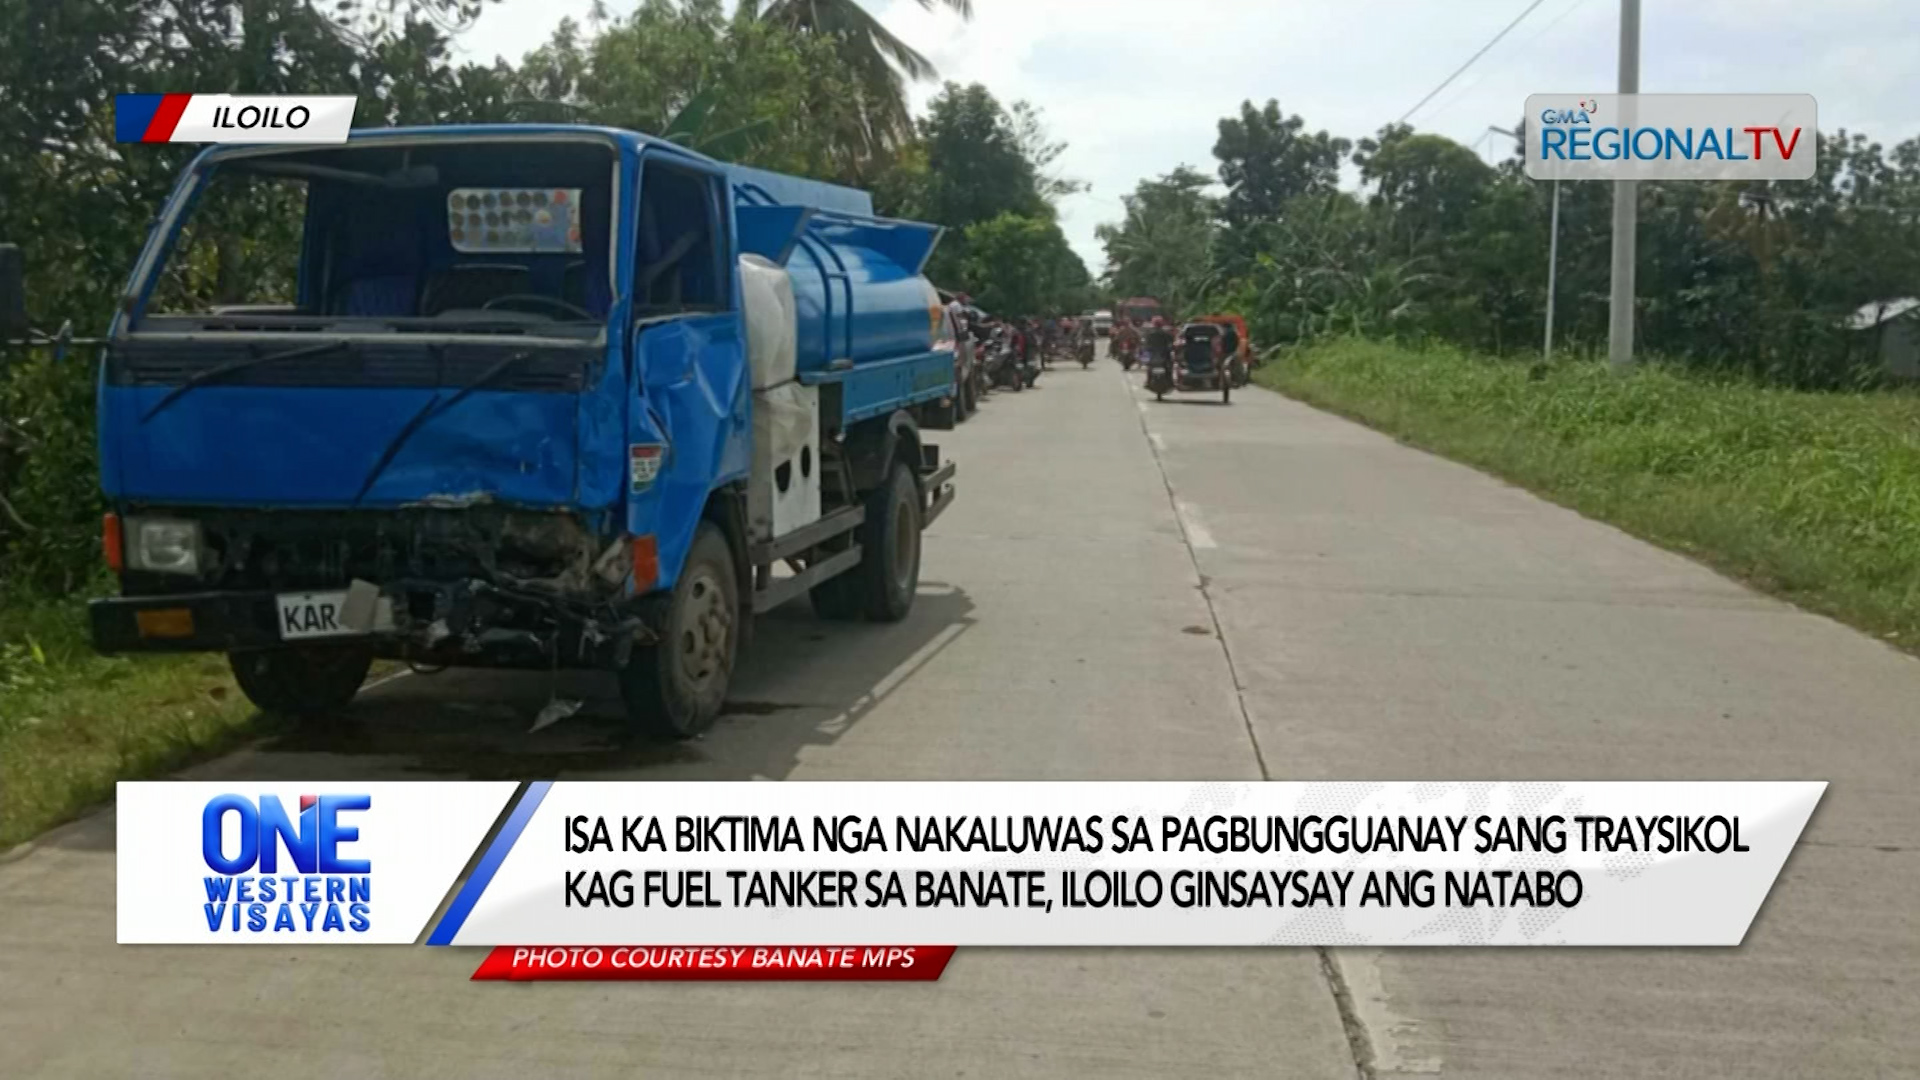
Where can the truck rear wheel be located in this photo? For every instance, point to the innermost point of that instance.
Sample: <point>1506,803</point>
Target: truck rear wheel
<point>677,688</point>
<point>304,682</point>
<point>882,586</point>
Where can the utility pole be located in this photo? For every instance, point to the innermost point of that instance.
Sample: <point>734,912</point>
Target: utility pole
<point>1553,268</point>
<point>1553,249</point>
<point>1626,204</point>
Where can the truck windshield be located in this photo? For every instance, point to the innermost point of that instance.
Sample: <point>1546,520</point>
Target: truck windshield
<point>444,236</point>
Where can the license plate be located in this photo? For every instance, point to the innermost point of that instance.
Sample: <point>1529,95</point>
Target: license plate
<point>305,616</point>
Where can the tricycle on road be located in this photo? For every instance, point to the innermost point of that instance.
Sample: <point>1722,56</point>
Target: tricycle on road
<point>1237,347</point>
<point>1198,361</point>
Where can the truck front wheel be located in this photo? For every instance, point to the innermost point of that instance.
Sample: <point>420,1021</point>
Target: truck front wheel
<point>881,587</point>
<point>676,689</point>
<point>304,683</point>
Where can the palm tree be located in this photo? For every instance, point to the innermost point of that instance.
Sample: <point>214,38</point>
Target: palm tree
<point>882,61</point>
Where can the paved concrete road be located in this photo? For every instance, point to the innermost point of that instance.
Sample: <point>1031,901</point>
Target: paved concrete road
<point>1385,615</point>
<point>1060,633</point>
<point>1391,615</point>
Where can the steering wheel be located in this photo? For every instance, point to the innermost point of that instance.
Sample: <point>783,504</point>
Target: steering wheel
<point>537,300</point>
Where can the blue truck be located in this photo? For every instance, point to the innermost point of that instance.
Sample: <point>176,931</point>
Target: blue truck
<point>540,396</point>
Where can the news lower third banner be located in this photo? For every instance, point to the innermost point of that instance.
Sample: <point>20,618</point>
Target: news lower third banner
<point>854,879</point>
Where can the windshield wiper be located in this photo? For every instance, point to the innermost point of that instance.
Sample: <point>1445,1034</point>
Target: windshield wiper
<point>224,370</point>
<point>432,408</point>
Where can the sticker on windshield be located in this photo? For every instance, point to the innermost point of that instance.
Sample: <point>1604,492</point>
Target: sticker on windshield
<point>514,220</point>
<point>645,465</point>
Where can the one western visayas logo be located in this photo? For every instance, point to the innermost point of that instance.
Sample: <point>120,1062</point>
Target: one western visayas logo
<point>317,887</point>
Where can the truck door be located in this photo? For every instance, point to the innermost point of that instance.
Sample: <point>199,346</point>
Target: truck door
<point>690,418</point>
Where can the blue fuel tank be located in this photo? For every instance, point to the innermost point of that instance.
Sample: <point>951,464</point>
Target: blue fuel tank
<point>857,280</point>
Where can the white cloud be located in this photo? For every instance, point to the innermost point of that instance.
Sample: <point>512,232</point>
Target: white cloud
<point>1136,86</point>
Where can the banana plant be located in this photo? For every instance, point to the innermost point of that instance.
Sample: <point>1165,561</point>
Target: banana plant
<point>689,128</point>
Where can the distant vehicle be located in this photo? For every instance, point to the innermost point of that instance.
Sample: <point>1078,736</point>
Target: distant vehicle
<point>1103,323</point>
<point>1140,310</point>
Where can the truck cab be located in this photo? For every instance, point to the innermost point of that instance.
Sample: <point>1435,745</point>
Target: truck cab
<point>519,396</point>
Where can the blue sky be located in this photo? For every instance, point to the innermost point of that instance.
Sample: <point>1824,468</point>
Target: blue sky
<point>1135,87</point>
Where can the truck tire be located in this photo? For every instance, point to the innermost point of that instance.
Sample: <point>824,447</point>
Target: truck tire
<point>882,587</point>
<point>677,688</point>
<point>305,682</point>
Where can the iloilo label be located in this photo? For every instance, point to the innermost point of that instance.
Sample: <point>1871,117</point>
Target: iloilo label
<point>1671,136</point>
<point>232,118</point>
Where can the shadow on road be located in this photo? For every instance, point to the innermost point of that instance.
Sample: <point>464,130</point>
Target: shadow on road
<point>803,683</point>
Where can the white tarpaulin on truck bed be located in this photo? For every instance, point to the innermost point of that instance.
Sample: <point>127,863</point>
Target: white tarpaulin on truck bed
<point>784,490</point>
<point>783,420</point>
<point>772,320</point>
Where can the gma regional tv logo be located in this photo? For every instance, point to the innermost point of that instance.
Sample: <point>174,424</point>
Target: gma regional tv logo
<point>1672,136</point>
<point>278,871</point>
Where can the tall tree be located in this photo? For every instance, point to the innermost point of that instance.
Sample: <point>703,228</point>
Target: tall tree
<point>1164,246</point>
<point>1024,266</point>
<point>977,168</point>
<point>879,60</point>
<point>1267,160</point>
<point>1427,184</point>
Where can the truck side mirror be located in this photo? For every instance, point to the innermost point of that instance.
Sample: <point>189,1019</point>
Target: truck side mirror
<point>13,293</point>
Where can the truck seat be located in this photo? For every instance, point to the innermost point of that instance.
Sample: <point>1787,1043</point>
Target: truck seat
<point>585,286</point>
<point>472,285</point>
<point>380,296</point>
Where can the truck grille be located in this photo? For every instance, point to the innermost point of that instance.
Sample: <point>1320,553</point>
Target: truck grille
<point>553,370</point>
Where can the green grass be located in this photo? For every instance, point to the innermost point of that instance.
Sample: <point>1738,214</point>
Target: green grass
<point>72,722</point>
<point>1813,497</point>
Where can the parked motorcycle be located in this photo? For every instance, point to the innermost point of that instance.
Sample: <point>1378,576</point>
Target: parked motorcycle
<point>1004,369</point>
<point>965,400</point>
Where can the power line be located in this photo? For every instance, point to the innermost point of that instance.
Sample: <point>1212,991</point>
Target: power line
<point>1470,60</point>
<point>1461,94</point>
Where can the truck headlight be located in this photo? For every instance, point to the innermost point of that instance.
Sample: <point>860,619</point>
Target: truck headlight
<point>161,546</point>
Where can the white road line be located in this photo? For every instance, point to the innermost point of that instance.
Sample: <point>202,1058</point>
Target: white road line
<point>1159,444</point>
<point>385,679</point>
<point>1197,534</point>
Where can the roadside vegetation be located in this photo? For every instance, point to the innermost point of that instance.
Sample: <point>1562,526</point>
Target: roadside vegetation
<point>72,722</point>
<point>1761,432</point>
<point>1813,496</point>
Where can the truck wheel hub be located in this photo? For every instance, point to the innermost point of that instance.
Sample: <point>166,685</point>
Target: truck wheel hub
<point>706,626</point>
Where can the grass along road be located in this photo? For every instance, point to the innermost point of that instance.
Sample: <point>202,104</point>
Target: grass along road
<point>1813,497</point>
<point>73,722</point>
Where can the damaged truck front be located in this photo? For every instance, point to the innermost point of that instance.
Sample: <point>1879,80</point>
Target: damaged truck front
<point>487,397</point>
